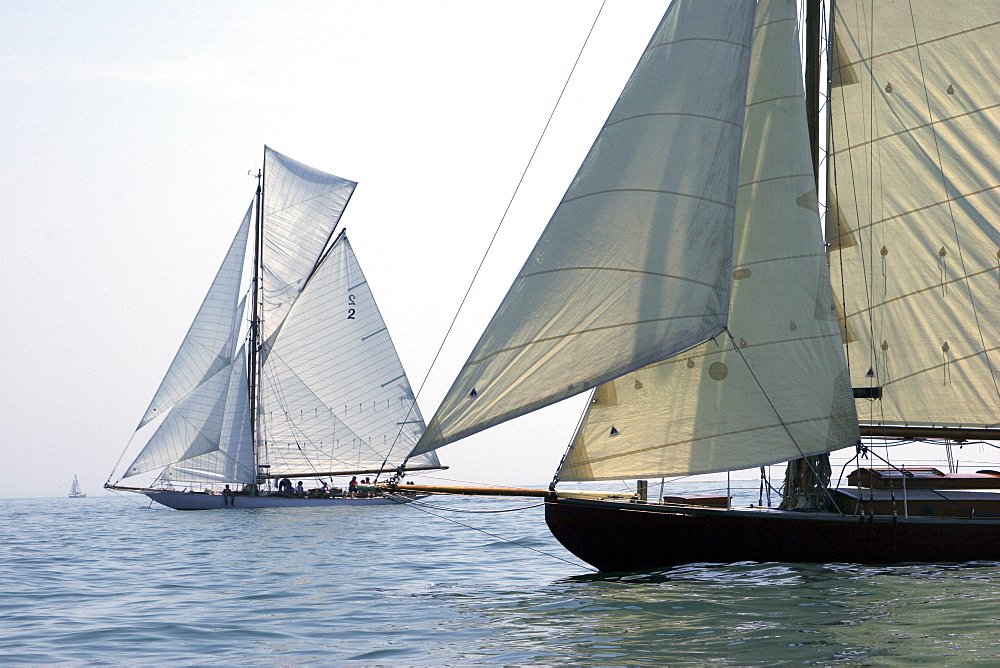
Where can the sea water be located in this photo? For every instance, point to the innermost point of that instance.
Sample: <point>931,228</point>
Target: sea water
<point>109,580</point>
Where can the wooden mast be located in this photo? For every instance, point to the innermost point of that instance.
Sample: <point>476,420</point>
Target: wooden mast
<point>807,478</point>
<point>252,367</point>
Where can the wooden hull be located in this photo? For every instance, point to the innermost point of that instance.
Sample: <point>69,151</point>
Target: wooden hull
<point>617,536</point>
<point>203,501</point>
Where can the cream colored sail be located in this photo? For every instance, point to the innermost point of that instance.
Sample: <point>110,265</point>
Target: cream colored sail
<point>915,205</point>
<point>784,393</point>
<point>634,264</point>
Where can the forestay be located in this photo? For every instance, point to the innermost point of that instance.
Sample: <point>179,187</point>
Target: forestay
<point>784,393</point>
<point>634,264</point>
<point>915,100</point>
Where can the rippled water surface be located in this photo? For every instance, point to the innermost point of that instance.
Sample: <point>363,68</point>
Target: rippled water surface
<point>106,581</point>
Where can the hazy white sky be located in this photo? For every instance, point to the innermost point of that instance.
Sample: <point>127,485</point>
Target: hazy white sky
<point>128,131</point>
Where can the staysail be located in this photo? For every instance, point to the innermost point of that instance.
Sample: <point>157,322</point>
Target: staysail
<point>212,338</point>
<point>195,394</point>
<point>914,100</point>
<point>231,457</point>
<point>776,389</point>
<point>334,396</point>
<point>634,264</point>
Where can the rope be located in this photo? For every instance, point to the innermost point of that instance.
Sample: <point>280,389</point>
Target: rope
<point>781,421</point>
<point>493,535</point>
<point>476,512</point>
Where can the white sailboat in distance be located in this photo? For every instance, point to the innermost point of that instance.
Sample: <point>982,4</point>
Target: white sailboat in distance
<point>75,492</point>
<point>287,379</point>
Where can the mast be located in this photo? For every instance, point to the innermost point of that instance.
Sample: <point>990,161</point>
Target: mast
<point>253,367</point>
<point>807,478</point>
<point>812,79</point>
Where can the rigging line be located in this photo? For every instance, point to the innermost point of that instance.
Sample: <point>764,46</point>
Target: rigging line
<point>475,512</point>
<point>569,446</point>
<point>510,202</point>
<point>119,460</point>
<point>132,499</point>
<point>951,211</point>
<point>843,235</point>
<point>493,535</point>
<point>812,467</point>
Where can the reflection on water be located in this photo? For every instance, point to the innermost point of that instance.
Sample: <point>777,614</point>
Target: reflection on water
<point>102,580</point>
<point>764,614</point>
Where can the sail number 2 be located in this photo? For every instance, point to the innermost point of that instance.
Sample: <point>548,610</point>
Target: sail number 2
<point>350,311</point>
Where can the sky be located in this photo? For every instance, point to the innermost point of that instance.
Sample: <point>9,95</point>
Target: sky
<point>129,132</point>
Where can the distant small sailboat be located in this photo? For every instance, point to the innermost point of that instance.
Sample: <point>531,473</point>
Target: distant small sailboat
<point>311,388</point>
<point>74,490</point>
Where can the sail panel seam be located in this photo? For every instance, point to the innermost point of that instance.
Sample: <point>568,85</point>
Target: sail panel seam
<point>654,191</point>
<point>917,292</point>
<point>911,130</point>
<point>673,113</point>
<point>917,45</point>
<point>700,316</point>
<point>979,353</point>
<point>711,40</point>
<point>902,214</point>
<point>622,270</point>
<point>774,99</point>
<point>377,331</point>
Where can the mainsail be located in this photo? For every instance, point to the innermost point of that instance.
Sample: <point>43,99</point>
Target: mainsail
<point>914,101</point>
<point>334,396</point>
<point>634,265</point>
<point>777,388</point>
<point>331,393</point>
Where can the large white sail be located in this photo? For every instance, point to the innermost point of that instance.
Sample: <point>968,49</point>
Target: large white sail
<point>211,340</point>
<point>302,207</point>
<point>915,100</point>
<point>193,427</point>
<point>634,264</point>
<point>233,459</point>
<point>784,392</point>
<point>333,394</point>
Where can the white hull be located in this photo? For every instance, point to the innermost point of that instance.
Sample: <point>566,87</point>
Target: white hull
<point>203,501</point>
